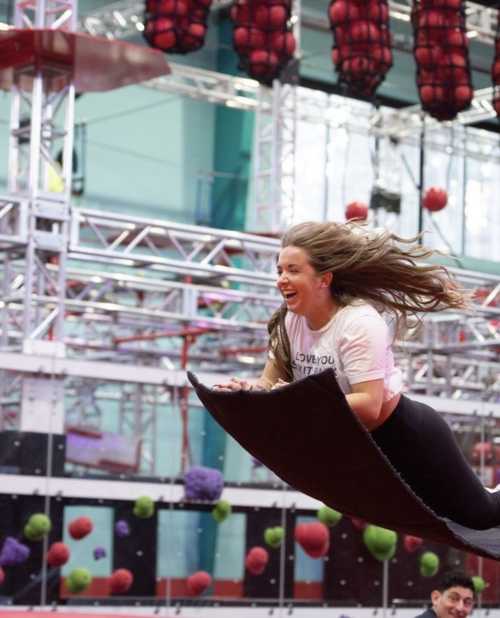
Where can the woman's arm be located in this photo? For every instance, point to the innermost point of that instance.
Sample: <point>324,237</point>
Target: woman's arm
<point>366,401</point>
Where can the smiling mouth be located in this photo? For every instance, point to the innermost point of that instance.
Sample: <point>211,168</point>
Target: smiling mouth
<point>289,295</point>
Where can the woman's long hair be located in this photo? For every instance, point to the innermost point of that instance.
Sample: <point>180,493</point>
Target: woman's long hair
<point>375,266</point>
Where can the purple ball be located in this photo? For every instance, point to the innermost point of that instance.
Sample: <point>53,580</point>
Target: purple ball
<point>13,552</point>
<point>203,483</point>
<point>99,552</point>
<point>122,528</point>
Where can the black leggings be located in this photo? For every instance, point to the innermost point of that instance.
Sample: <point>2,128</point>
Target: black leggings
<point>422,448</point>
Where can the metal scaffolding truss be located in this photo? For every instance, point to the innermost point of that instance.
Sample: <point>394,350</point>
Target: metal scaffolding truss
<point>135,288</point>
<point>274,165</point>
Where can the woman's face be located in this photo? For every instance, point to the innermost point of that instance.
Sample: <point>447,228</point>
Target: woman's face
<point>298,281</point>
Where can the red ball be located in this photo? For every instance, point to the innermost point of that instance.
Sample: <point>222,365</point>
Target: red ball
<point>198,582</point>
<point>456,38</point>
<point>356,210</point>
<point>120,581</point>
<point>364,31</point>
<point>431,19</point>
<point>412,543</point>
<point>270,17</point>
<point>198,15</point>
<point>172,7</point>
<point>495,71</point>
<point>359,524</point>
<point>314,538</point>
<point>378,11</point>
<point>278,17</point>
<point>496,105</point>
<point>382,55</point>
<point>165,40</point>
<point>435,199</point>
<point>256,560</point>
<point>341,11</point>
<point>58,554</point>
<point>240,14</point>
<point>463,96</point>
<point>428,56</point>
<point>282,43</point>
<point>358,67</point>
<point>263,63</point>
<point>197,31</point>
<point>457,59</point>
<point>80,527</point>
<point>432,95</point>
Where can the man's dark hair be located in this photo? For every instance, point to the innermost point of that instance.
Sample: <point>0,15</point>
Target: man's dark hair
<point>455,578</point>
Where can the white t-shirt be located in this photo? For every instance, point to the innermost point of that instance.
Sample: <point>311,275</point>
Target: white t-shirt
<point>356,344</point>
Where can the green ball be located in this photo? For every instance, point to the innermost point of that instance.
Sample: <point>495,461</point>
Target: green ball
<point>381,542</point>
<point>429,564</point>
<point>78,580</point>
<point>274,536</point>
<point>40,522</point>
<point>144,507</point>
<point>31,535</point>
<point>387,555</point>
<point>37,527</point>
<point>221,511</point>
<point>328,516</point>
<point>479,584</point>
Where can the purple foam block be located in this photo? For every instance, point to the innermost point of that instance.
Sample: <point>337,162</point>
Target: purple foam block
<point>203,483</point>
<point>99,552</point>
<point>122,528</point>
<point>13,552</point>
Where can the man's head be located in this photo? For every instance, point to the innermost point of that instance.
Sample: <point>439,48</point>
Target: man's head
<point>454,597</point>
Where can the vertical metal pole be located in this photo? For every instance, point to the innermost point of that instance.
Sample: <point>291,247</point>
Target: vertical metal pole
<point>326,183</point>
<point>282,570</point>
<point>421,179</point>
<point>464,193</point>
<point>482,477</point>
<point>385,587</point>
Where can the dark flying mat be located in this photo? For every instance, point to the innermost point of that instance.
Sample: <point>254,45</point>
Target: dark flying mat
<point>306,433</point>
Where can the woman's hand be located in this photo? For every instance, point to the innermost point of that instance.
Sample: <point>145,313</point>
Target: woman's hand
<point>279,384</point>
<point>234,385</point>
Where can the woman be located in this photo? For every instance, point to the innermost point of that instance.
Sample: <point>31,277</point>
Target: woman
<point>336,280</point>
